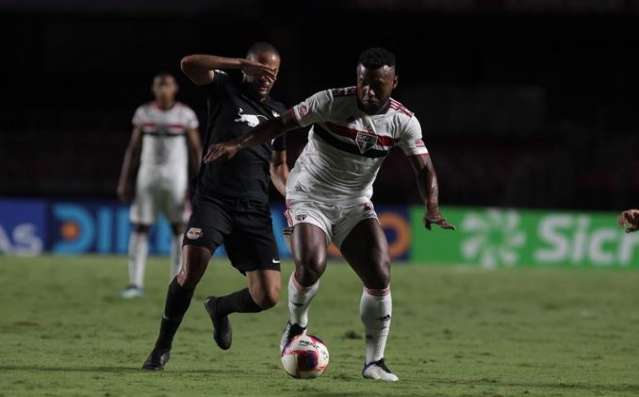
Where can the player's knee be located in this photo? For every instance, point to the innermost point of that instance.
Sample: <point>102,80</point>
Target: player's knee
<point>195,261</point>
<point>309,268</point>
<point>140,228</point>
<point>267,298</point>
<point>189,275</point>
<point>185,279</point>
<point>381,280</point>
<point>309,272</point>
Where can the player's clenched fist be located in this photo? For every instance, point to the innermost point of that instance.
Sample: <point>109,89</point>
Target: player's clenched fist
<point>629,220</point>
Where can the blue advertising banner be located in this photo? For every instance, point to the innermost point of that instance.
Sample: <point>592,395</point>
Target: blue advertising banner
<point>22,226</point>
<point>101,227</point>
<point>76,227</point>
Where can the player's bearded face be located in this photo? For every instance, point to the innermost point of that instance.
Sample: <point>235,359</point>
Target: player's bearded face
<point>374,87</point>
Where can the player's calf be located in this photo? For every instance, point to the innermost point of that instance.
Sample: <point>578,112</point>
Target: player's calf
<point>299,300</point>
<point>222,332</point>
<point>238,302</point>
<point>376,309</point>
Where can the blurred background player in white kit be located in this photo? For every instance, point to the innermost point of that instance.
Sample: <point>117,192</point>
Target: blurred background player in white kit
<point>164,147</point>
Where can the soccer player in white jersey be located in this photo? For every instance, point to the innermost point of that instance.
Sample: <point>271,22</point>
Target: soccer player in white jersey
<point>328,192</point>
<point>164,145</point>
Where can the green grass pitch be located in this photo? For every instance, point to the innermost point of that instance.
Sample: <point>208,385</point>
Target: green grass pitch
<point>455,332</point>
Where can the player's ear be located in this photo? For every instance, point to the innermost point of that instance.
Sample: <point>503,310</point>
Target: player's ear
<point>395,81</point>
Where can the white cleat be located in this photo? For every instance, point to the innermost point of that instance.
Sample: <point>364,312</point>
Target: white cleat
<point>290,332</point>
<point>379,371</point>
<point>132,292</point>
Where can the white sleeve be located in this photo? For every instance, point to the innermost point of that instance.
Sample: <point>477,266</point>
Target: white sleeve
<point>313,109</point>
<point>138,117</point>
<point>411,139</point>
<point>190,119</point>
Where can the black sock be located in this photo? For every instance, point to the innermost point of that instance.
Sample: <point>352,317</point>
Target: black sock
<point>237,302</point>
<point>178,299</point>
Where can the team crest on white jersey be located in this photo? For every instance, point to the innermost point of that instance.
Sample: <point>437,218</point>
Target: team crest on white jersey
<point>253,120</point>
<point>365,141</point>
<point>194,233</point>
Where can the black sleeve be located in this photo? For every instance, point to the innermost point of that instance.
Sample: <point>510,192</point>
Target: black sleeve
<point>217,87</point>
<point>279,143</point>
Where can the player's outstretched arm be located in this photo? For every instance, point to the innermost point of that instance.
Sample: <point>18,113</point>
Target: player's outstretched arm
<point>429,190</point>
<point>279,171</point>
<point>200,69</point>
<point>264,132</point>
<point>130,165</point>
<point>629,220</point>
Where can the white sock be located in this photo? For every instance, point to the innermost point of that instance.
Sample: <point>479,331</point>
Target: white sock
<point>375,310</point>
<point>176,255</point>
<point>299,299</point>
<point>138,252</point>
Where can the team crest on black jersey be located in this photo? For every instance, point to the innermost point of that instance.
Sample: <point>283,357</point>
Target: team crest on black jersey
<point>194,233</point>
<point>365,141</point>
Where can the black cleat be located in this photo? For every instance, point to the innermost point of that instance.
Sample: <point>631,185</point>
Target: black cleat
<point>157,359</point>
<point>222,334</point>
<point>290,332</point>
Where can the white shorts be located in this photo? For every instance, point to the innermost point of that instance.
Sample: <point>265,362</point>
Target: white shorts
<point>153,195</point>
<point>335,219</point>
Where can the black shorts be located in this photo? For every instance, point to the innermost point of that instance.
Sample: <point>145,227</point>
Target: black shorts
<point>243,226</point>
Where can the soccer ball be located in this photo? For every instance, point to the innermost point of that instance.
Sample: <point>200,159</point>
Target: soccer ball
<point>305,357</point>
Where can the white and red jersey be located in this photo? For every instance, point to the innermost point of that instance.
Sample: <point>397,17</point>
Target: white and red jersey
<point>346,146</point>
<point>164,146</point>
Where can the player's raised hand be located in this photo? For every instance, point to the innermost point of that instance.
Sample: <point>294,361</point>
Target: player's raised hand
<point>629,220</point>
<point>221,151</point>
<point>435,218</point>
<point>257,69</point>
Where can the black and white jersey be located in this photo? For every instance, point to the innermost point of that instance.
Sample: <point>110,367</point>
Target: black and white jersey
<point>232,112</point>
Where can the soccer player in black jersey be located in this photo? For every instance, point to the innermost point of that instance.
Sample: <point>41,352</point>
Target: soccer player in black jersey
<point>230,204</point>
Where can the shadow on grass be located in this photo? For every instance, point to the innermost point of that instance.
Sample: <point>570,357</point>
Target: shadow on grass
<point>337,394</point>
<point>114,369</point>
<point>591,387</point>
<point>632,389</point>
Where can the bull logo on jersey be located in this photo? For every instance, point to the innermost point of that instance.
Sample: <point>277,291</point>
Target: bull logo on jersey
<point>253,120</point>
<point>365,141</point>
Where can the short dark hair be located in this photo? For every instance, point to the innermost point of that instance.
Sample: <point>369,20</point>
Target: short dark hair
<point>262,46</point>
<point>163,75</point>
<point>376,57</point>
